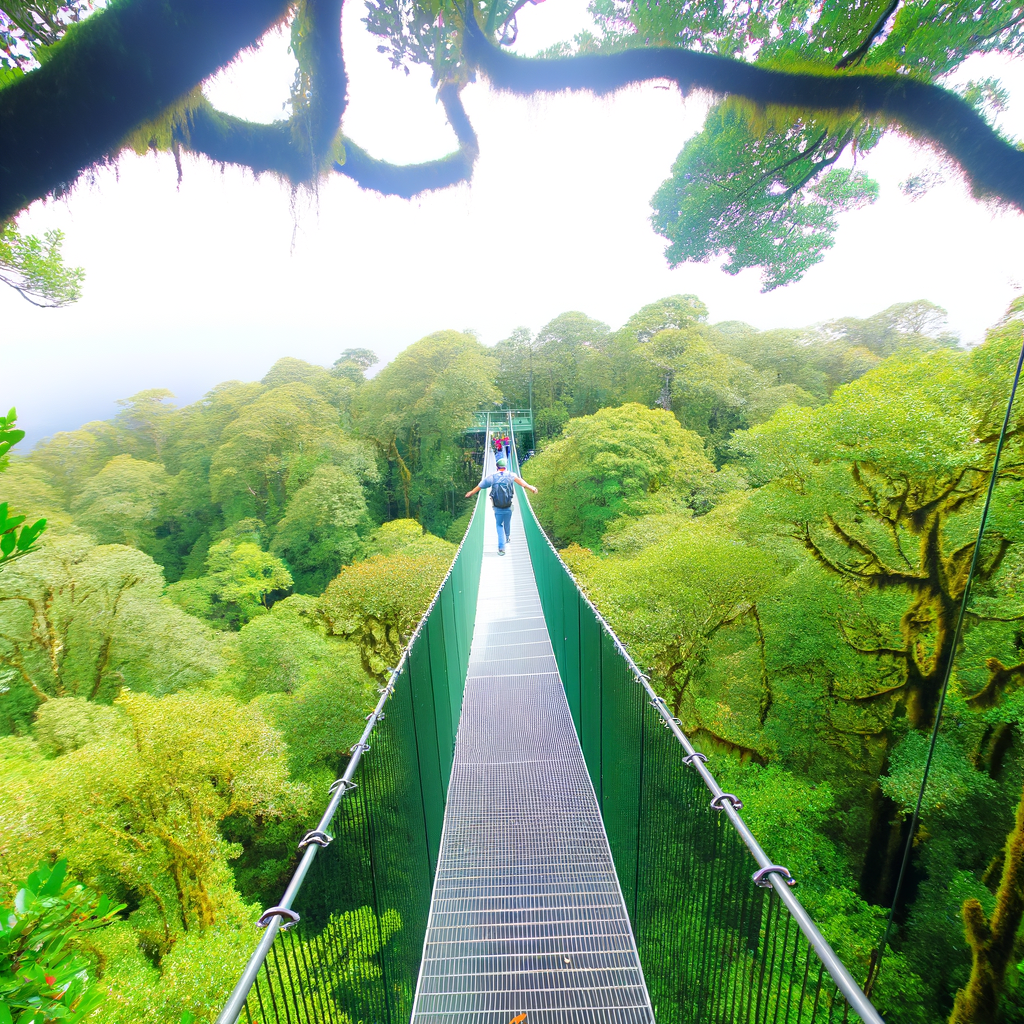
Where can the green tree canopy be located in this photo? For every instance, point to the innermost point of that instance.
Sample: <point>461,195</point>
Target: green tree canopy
<point>125,502</point>
<point>414,410</point>
<point>624,461</point>
<point>882,487</point>
<point>321,527</point>
<point>81,620</point>
<point>763,187</point>
<point>377,603</point>
<point>240,576</point>
<point>139,809</point>
<point>669,599</point>
<point>35,267</point>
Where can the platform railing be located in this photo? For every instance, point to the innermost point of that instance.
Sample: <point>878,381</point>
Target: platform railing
<point>345,940</point>
<point>722,937</point>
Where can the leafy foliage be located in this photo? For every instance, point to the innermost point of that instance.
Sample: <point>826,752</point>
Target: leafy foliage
<point>140,807</point>
<point>778,211</point>
<point>42,977</point>
<point>413,412</point>
<point>28,25</point>
<point>14,542</point>
<point>763,188</point>
<point>321,528</point>
<point>35,267</point>
<point>81,620</point>
<point>623,461</point>
<point>377,603</point>
<point>239,580</point>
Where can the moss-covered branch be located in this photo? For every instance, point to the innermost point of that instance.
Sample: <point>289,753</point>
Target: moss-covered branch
<point>992,938</point>
<point>407,180</point>
<point>992,165</point>
<point>118,69</point>
<point>129,76</point>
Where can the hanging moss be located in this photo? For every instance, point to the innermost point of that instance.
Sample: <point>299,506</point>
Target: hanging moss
<point>116,70</point>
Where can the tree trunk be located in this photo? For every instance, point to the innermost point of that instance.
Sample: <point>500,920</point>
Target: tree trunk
<point>991,940</point>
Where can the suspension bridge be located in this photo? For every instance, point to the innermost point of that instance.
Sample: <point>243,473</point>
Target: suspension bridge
<point>524,835</point>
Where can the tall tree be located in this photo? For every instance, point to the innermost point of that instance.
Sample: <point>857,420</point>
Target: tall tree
<point>624,461</point>
<point>78,620</point>
<point>882,488</point>
<point>416,409</point>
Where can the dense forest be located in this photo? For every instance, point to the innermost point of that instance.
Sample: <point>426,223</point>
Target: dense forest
<point>779,524</point>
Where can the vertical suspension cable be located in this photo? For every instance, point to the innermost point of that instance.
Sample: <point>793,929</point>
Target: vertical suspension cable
<point>876,964</point>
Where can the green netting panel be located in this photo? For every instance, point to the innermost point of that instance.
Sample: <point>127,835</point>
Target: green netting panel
<point>590,695</point>
<point>715,948</point>
<point>623,702</point>
<point>354,955</point>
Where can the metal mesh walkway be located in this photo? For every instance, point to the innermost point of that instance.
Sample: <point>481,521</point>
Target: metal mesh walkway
<point>527,915</point>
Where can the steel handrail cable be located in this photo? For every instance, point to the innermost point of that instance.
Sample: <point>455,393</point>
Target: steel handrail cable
<point>236,1001</point>
<point>844,981</point>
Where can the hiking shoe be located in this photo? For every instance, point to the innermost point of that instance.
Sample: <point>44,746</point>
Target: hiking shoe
<point>501,551</point>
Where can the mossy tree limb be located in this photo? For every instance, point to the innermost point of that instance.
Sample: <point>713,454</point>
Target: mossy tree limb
<point>991,939</point>
<point>930,113</point>
<point>273,147</point>
<point>118,69</point>
<point>128,77</point>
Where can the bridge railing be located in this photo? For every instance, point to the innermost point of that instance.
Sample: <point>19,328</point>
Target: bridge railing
<point>344,943</point>
<point>721,935</point>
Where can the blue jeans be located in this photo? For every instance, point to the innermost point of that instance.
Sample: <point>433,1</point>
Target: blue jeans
<point>503,520</point>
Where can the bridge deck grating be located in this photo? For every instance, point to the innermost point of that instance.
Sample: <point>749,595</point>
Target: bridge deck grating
<point>527,915</point>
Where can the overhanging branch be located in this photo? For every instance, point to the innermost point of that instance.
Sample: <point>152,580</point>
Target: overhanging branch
<point>928,112</point>
<point>118,69</point>
<point>407,180</point>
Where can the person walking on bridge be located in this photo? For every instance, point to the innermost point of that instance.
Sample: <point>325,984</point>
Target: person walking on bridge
<point>502,492</point>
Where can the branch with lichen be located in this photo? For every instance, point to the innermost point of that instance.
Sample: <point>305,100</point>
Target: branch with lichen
<point>992,939</point>
<point>130,75</point>
<point>118,69</point>
<point>930,113</point>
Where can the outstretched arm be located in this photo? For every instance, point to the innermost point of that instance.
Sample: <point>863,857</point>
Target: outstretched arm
<point>476,490</point>
<point>522,483</point>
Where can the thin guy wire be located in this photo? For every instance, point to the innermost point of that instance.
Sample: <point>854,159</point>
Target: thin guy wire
<point>876,968</point>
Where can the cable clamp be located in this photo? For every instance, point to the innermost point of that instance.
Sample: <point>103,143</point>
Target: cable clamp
<point>656,701</point>
<point>761,878</point>
<point>695,756</point>
<point>377,715</point>
<point>315,836</point>
<point>269,914</point>
<point>358,746</point>
<point>343,784</point>
<point>718,804</point>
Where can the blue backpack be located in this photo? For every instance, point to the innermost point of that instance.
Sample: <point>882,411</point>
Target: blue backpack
<point>503,490</point>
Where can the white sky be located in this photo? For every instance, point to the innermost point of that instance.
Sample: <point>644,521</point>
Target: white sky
<point>218,279</point>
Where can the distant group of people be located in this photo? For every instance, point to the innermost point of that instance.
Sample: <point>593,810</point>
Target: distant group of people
<point>501,484</point>
<point>503,448</point>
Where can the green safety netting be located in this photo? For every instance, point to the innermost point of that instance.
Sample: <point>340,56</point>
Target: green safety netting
<point>355,951</point>
<point>714,946</point>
